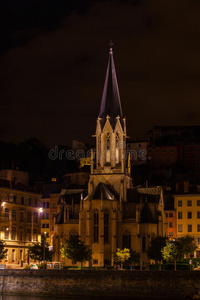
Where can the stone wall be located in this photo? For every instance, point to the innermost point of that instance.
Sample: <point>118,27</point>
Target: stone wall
<point>150,284</point>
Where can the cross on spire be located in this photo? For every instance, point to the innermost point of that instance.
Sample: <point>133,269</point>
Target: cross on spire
<point>111,45</point>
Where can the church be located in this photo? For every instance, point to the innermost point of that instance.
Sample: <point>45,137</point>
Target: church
<point>111,214</point>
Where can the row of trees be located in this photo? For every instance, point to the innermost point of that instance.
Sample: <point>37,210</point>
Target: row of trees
<point>161,248</point>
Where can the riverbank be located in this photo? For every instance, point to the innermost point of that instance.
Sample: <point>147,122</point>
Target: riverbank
<point>134,284</point>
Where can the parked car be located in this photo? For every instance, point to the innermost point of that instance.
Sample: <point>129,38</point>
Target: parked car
<point>34,267</point>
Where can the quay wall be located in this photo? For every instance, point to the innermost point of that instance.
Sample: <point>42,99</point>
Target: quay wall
<point>134,284</point>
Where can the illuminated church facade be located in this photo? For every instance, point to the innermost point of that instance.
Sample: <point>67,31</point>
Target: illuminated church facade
<point>111,214</point>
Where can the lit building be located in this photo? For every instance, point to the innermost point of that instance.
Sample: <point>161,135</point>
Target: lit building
<point>187,208</point>
<point>77,179</point>
<point>49,211</point>
<point>113,214</point>
<point>19,222</point>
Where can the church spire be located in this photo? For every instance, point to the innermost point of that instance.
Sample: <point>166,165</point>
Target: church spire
<point>110,103</point>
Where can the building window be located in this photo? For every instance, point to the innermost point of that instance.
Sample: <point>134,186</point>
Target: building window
<point>171,224</point>
<point>105,227</point>
<point>166,215</point>
<point>96,227</point>
<point>198,202</point>
<point>171,234</point>
<point>14,215</point>
<point>21,217</point>
<point>143,243</point>
<point>47,225</point>
<point>198,215</point>
<point>21,235</point>
<point>36,203</point>
<point>35,217</point>
<point>28,216</point>
<point>189,215</point>
<point>13,255</point>
<point>170,215</point>
<point>53,216</point>
<point>164,150</point>
<point>43,216</point>
<point>29,234</point>
<point>189,228</point>
<point>15,199</point>
<point>198,241</point>
<point>189,202</point>
<point>54,205</point>
<point>43,204</point>
<point>29,201</point>
<point>35,235</point>
<point>47,216</point>
<point>126,240</point>
<point>180,228</point>
<point>22,200</point>
<point>13,233</point>
<point>172,150</point>
<point>47,204</point>
<point>180,215</point>
<point>180,203</point>
<point>6,234</point>
<point>198,227</point>
<point>95,262</point>
<point>6,214</point>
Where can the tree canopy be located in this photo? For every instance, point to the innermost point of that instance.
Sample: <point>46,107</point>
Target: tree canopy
<point>36,251</point>
<point>157,243</point>
<point>121,256</point>
<point>75,250</point>
<point>3,252</point>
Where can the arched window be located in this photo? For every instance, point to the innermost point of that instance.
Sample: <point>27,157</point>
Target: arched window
<point>108,137</point>
<point>126,240</point>
<point>117,136</point>
<point>96,227</point>
<point>106,221</point>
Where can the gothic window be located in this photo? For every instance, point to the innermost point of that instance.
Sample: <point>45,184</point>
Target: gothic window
<point>126,240</point>
<point>117,146</point>
<point>96,227</point>
<point>143,243</point>
<point>106,227</point>
<point>108,137</point>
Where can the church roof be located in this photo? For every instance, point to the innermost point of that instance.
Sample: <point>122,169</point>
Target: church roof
<point>110,103</point>
<point>146,214</point>
<point>104,191</point>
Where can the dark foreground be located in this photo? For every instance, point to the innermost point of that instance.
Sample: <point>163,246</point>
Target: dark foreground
<point>98,285</point>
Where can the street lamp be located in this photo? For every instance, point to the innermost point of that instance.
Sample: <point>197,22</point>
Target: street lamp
<point>44,249</point>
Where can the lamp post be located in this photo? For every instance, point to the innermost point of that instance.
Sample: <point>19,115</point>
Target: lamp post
<point>44,249</point>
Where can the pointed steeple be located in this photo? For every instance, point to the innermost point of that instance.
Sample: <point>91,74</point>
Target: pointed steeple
<point>110,103</point>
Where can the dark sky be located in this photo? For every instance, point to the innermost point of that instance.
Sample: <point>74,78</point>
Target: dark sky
<point>54,57</point>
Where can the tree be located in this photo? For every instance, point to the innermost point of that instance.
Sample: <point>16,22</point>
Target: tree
<point>173,251</point>
<point>3,252</point>
<point>188,244</point>
<point>121,256</point>
<point>75,250</point>
<point>36,251</point>
<point>156,245</point>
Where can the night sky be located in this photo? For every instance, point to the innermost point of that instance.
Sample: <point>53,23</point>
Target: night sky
<point>54,57</point>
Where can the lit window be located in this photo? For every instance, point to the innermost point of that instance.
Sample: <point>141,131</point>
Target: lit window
<point>180,228</point>
<point>179,203</point>
<point>180,215</point>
